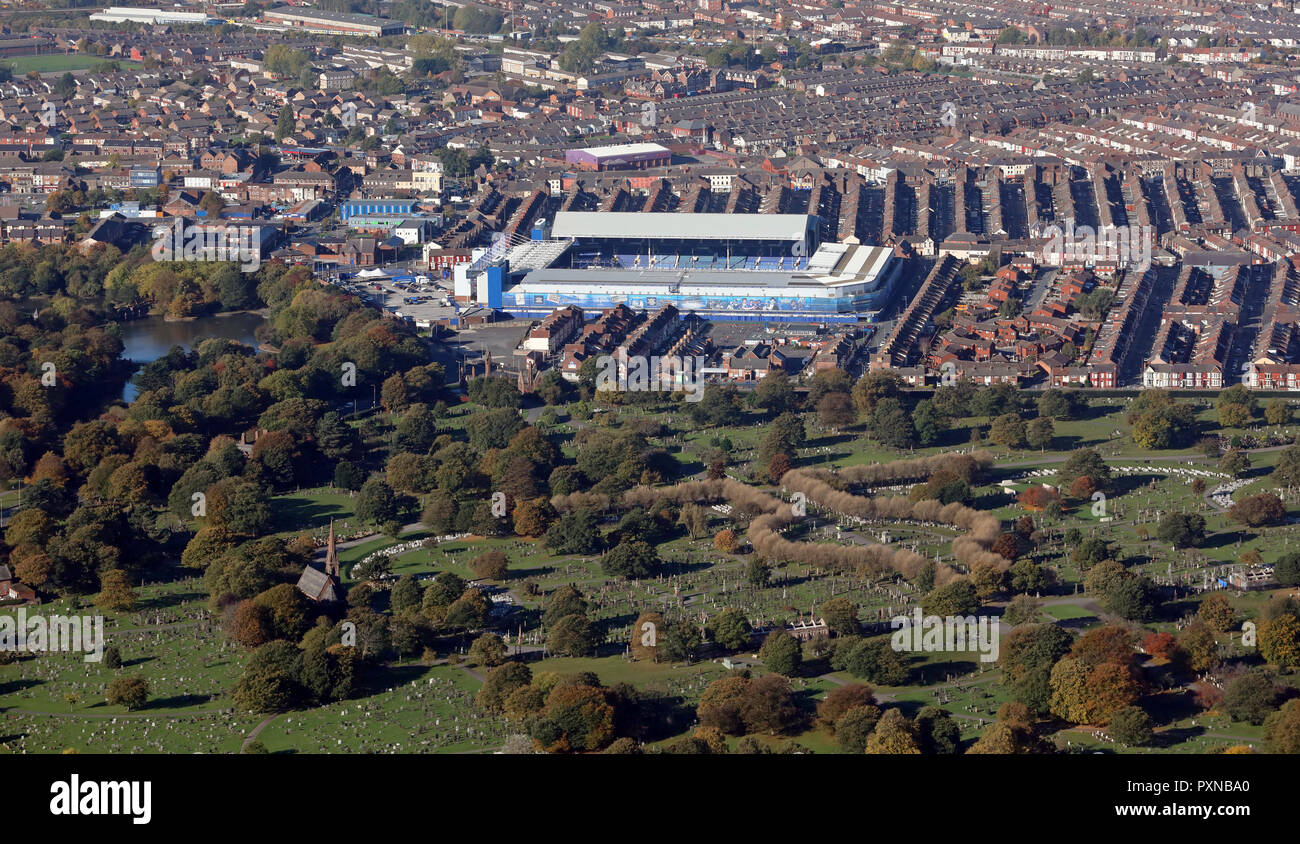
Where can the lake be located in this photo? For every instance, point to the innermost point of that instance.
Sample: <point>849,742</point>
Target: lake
<point>148,339</point>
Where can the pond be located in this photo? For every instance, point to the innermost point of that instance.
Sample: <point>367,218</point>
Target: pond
<point>146,340</point>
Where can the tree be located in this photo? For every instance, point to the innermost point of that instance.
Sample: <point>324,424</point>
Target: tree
<point>1287,471</point>
<point>840,700</point>
<point>1279,641</point>
<point>490,565</point>
<point>781,653</point>
<point>725,541</point>
<point>853,729</point>
<point>874,660</point>
<point>757,572</point>
<point>1287,569</point>
<point>835,410</point>
<point>1250,696</point>
<point>572,635</point>
<point>936,731</point>
<point>1027,655</point>
<point>488,650</point>
<point>285,125</point>
<point>1197,640</point>
<point>774,393</point>
<point>1008,430</point>
<point>1258,510</point>
<point>252,625</point>
<point>730,629</point>
<point>681,641</point>
<point>377,502</point>
<point>1023,609</point>
<point>1235,463</point>
<point>891,424</point>
<point>1085,694</point>
<point>1005,738</point>
<point>1278,412</point>
<point>875,386</point>
<point>720,704</point>
<point>1182,530</point>
<point>1217,612</point>
<point>564,601</point>
<point>646,631</point>
<point>929,422</point>
<point>1040,433</point>
<point>1057,404</point>
<point>115,592</point>
<point>500,682</point>
<point>630,560</point>
<point>1131,726</point>
<point>768,705</point>
<point>695,519</point>
<point>841,616</point>
<point>1085,461</point>
<point>953,599</point>
<point>893,735</point>
<point>129,692</point>
<point>1233,415</point>
<point>406,594</point>
<point>575,532</point>
<point>1282,729</point>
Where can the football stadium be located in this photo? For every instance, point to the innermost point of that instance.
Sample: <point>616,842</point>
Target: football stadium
<point>721,266</point>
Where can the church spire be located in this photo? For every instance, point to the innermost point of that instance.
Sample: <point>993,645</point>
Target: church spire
<point>332,555</point>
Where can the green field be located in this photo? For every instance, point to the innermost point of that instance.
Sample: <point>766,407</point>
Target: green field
<point>54,63</point>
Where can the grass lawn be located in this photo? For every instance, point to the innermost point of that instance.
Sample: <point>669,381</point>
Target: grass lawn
<point>52,63</point>
<point>1061,612</point>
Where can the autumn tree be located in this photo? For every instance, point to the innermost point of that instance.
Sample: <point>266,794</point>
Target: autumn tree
<point>645,636</point>
<point>490,565</point>
<point>725,541</point>
<point>1217,611</point>
<point>1279,641</point>
<point>841,699</point>
<point>115,592</point>
<point>129,692</point>
<point>893,735</point>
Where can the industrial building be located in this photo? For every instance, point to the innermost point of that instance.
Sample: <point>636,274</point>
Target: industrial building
<point>154,17</point>
<point>332,23</point>
<point>619,157</point>
<point>722,266</point>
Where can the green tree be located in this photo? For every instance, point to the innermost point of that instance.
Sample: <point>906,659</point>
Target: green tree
<point>631,559</point>
<point>781,653</point>
<point>730,629</point>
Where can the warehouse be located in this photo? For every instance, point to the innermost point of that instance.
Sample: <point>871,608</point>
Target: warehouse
<point>619,157</point>
<point>333,23</point>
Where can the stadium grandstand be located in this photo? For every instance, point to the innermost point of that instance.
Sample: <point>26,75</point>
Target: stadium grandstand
<point>721,266</point>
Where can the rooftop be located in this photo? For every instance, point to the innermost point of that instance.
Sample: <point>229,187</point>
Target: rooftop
<point>669,225</point>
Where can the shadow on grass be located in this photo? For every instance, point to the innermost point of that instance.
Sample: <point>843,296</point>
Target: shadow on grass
<point>295,513</point>
<point>177,701</point>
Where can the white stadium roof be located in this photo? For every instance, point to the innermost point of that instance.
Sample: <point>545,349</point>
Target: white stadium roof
<point>672,226</point>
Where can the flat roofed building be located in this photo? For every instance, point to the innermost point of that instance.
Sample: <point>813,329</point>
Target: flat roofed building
<point>333,23</point>
<point>644,156</point>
